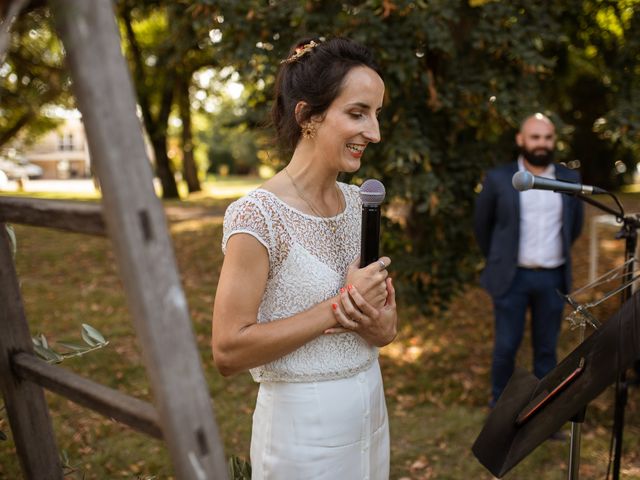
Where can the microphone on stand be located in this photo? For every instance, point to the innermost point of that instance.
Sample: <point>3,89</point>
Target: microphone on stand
<point>371,194</point>
<point>522,181</point>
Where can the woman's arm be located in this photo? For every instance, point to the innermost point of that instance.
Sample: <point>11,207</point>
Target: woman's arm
<point>238,342</point>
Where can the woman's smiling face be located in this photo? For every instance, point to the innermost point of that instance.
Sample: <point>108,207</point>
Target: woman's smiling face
<point>351,121</point>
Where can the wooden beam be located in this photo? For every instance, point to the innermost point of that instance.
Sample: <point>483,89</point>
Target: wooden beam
<point>137,226</point>
<point>26,406</point>
<point>73,216</point>
<point>111,403</point>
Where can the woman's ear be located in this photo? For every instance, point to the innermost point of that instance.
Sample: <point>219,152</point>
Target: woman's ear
<point>299,111</point>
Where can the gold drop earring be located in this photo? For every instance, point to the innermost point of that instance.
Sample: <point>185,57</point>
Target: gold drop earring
<point>309,130</point>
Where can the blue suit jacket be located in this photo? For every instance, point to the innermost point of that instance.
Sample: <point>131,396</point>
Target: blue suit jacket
<point>497,226</point>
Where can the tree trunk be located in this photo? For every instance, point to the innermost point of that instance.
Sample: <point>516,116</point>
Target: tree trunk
<point>189,169</point>
<point>13,130</point>
<point>156,127</point>
<point>163,168</point>
<point>159,140</point>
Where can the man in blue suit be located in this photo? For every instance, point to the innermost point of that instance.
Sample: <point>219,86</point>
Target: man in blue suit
<point>526,239</point>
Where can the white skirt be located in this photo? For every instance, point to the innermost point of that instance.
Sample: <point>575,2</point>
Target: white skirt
<point>333,430</point>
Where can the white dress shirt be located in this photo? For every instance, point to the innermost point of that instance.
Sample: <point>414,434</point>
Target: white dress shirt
<point>540,225</point>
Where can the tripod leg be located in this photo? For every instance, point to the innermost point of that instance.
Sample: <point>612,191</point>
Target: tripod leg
<point>574,451</point>
<point>618,422</point>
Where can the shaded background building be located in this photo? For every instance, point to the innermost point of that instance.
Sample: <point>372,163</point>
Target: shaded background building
<point>63,152</point>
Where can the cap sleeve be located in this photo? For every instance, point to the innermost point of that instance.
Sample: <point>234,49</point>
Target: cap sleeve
<point>247,216</point>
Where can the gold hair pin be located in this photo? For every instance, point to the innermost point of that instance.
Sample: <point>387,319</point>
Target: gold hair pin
<point>300,52</point>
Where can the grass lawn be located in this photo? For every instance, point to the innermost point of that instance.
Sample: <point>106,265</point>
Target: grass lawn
<point>436,373</point>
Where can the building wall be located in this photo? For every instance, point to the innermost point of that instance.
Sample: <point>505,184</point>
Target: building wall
<point>63,152</point>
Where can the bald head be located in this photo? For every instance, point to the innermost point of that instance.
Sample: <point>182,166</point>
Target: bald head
<point>536,118</point>
<point>537,141</point>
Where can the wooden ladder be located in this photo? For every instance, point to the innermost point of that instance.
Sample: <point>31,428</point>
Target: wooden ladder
<point>133,218</point>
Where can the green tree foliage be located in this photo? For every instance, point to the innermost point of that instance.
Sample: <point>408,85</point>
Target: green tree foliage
<point>459,75</point>
<point>222,124</point>
<point>595,87</point>
<point>164,52</point>
<point>152,41</point>
<point>31,78</point>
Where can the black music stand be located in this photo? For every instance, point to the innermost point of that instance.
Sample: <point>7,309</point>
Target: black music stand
<point>530,410</point>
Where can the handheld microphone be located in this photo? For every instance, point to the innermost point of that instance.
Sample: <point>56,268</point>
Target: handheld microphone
<point>372,194</point>
<point>522,181</point>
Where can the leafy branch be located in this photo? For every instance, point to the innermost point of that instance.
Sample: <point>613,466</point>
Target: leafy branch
<point>92,338</point>
<point>239,469</point>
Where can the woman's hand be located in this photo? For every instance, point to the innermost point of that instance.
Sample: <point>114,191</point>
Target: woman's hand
<point>370,280</point>
<point>355,314</point>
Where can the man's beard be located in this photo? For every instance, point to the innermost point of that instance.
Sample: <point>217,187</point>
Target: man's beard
<point>540,157</point>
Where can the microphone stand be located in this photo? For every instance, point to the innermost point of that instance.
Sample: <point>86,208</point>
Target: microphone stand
<point>629,231</point>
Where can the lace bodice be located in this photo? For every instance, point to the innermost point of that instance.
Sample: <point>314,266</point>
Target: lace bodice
<point>307,264</point>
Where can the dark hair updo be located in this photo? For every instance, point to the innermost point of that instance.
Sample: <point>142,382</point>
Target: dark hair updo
<point>315,77</point>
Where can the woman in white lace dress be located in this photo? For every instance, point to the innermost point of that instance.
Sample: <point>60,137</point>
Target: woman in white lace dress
<point>292,305</point>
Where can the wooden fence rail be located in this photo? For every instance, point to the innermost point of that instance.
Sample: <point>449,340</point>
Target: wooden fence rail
<point>139,415</point>
<point>73,216</point>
